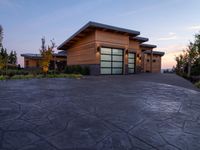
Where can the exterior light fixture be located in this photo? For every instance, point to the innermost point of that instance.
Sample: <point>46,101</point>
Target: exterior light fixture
<point>98,49</point>
<point>126,51</point>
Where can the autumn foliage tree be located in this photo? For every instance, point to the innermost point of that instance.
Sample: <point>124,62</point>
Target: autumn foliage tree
<point>47,55</point>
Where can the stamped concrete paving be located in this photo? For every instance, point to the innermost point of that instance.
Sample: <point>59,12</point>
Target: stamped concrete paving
<point>139,112</point>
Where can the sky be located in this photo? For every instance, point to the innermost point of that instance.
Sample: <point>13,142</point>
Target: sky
<point>169,24</point>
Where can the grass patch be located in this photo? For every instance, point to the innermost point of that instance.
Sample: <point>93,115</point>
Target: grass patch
<point>197,84</point>
<point>63,76</point>
<point>30,76</point>
<point>40,76</point>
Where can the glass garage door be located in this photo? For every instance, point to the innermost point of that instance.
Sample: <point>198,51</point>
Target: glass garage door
<point>111,61</point>
<point>131,63</point>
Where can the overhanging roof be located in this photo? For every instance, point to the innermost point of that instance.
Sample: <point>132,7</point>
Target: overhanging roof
<point>95,25</point>
<point>28,55</point>
<point>140,39</point>
<point>154,52</point>
<point>38,56</point>
<point>148,45</point>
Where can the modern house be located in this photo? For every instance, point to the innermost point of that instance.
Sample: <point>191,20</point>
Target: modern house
<point>107,49</point>
<point>32,61</point>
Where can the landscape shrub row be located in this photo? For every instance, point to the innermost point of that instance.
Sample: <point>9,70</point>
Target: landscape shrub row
<point>31,76</point>
<point>69,72</point>
<point>77,69</point>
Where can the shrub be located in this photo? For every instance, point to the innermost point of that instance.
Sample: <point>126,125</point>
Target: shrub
<point>85,71</point>
<point>197,84</point>
<point>2,77</point>
<point>10,72</point>
<point>77,69</point>
<point>53,72</point>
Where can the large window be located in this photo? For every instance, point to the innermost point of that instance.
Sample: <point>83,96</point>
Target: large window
<point>131,63</point>
<point>111,61</point>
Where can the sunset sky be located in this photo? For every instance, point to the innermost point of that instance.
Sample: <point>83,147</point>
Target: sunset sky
<point>170,24</point>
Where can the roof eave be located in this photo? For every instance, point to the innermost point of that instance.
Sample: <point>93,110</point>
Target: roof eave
<point>140,39</point>
<point>154,52</point>
<point>148,45</point>
<point>98,25</point>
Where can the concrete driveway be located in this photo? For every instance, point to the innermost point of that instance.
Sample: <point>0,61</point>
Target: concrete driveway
<point>136,112</point>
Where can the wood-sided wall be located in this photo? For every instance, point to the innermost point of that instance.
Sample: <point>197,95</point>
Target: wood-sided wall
<point>83,52</point>
<point>156,63</point>
<point>35,63</point>
<point>31,63</point>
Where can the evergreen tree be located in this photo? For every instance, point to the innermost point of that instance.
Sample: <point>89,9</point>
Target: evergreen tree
<point>1,36</point>
<point>12,58</point>
<point>3,58</point>
<point>15,58</point>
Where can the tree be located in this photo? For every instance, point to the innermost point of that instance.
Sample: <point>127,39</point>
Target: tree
<point>12,58</point>
<point>188,63</point>
<point>1,36</point>
<point>3,58</point>
<point>47,55</point>
<point>6,59</point>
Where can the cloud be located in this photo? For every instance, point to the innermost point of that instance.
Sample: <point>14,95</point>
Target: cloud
<point>194,27</point>
<point>172,48</point>
<point>170,36</point>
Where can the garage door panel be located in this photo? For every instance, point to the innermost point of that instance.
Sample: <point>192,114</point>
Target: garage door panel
<point>106,51</point>
<point>131,60</point>
<point>131,63</point>
<point>106,57</point>
<point>117,52</point>
<point>106,64</point>
<point>111,61</point>
<point>117,58</point>
<point>131,70</point>
<point>116,70</point>
<point>105,70</point>
<point>117,64</point>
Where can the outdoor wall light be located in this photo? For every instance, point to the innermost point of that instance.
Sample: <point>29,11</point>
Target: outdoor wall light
<point>98,49</point>
<point>126,51</point>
